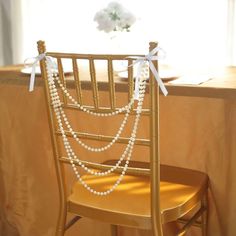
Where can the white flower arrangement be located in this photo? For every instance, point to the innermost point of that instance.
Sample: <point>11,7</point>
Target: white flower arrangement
<point>114,18</point>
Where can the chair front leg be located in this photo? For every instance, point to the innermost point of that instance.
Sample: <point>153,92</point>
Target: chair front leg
<point>114,230</point>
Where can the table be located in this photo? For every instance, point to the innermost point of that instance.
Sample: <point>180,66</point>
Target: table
<point>198,129</point>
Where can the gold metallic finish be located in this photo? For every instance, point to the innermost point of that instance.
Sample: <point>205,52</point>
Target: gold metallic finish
<point>72,222</point>
<point>151,194</point>
<point>105,109</point>
<point>111,84</point>
<point>114,230</point>
<point>92,165</point>
<point>58,165</point>
<point>106,138</point>
<point>92,56</point>
<point>191,221</point>
<point>61,77</point>
<point>204,217</point>
<point>155,152</point>
<point>94,83</point>
<point>130,78</point>
<point>77,81</point>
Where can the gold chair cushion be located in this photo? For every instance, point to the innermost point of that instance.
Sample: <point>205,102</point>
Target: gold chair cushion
<point>180,191</point>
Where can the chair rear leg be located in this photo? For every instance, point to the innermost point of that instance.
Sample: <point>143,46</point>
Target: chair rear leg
<point>204,216</point>
<point>72,222</point>
<point>114,230</point>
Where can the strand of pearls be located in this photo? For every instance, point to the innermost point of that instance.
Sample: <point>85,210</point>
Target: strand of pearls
<point>92,172</point>
<point>116,137</point>
<point>94,149</point>
<point>56,106</point>
<point>59,113</point>
<point>81,107</point>
<point>68,147</point>
<point>130,143</point>
<point>129,154</point>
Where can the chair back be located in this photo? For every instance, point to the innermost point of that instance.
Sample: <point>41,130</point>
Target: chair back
<point>93,93</point>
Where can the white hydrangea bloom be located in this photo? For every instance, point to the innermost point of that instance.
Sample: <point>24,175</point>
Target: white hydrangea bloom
<point>126,20</point>
<point>115,6</point>
<point>114,18</point>
<point>104,22</point>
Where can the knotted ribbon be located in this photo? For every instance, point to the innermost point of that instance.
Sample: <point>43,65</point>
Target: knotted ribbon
<point>34,65</point>
<point>141,61</point>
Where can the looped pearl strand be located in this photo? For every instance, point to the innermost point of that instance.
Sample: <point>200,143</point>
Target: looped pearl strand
<point>57,108</point>
<point>84,145</point>
<point>81,107</point>
<point>130,143</point>
<point>67,145</point>
<point>94,149</point>
<point>133,136</point>
<point>75,169</point>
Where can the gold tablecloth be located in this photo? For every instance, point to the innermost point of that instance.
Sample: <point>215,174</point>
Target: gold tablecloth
<point>196,132</point>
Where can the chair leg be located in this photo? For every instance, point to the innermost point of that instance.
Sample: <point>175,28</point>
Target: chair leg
<point>114,230</point>
<point>72,222</point>
<point>204,216</point>
<point>60,230</point>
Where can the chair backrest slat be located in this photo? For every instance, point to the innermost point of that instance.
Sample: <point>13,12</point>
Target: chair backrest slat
<point>130,80</point>
<point>106,138</point>
<point>77,81</point>
<point>111,84</point>
<point>145,112</point>
<point>94,83</point>
<point>89,56</point>
<point>131,170</point>
<point>62,77</point>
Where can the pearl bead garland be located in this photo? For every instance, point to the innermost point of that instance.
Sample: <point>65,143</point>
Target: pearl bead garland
<point>71,155</point>
<point>81,107</point>
<point>93,149</point>
<point>82,165</point>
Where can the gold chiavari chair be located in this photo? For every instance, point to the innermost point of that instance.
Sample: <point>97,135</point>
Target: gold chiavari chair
<point>121,192</point>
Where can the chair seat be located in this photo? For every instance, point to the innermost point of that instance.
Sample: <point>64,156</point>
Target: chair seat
<point>129,205</point>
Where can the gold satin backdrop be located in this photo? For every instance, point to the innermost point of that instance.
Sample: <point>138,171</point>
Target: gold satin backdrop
<point>200,133</point>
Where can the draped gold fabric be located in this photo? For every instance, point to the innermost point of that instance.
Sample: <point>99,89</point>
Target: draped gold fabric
<point>200,133</point>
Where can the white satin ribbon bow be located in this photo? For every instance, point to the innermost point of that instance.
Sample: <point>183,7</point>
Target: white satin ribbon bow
<point>148,58</point>
<point>34,65</point>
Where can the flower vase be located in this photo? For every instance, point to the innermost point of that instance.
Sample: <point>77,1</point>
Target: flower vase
<point>119,42</point>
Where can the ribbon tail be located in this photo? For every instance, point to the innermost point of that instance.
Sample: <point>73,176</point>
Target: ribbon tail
<point>32,78</point>
<point>158,79</point>
<point>33,65</point>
